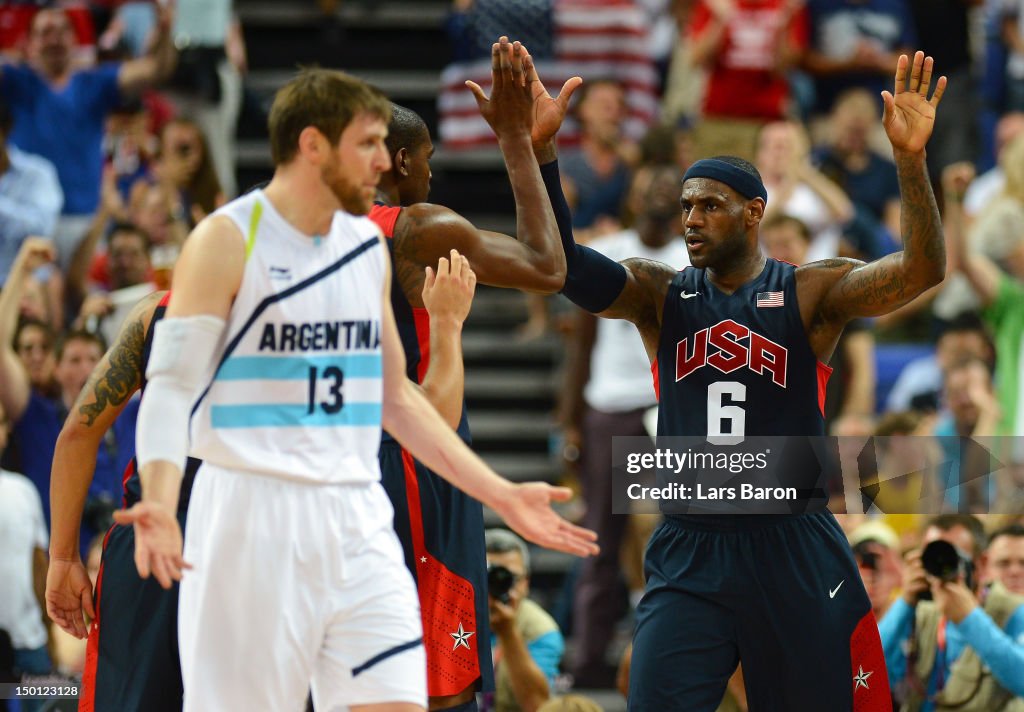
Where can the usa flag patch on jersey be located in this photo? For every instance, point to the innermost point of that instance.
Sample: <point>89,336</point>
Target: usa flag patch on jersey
<point>770,299</point>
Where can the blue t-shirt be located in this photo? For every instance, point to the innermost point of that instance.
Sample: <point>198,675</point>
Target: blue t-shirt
<point>64,125</point>
<point>35,435</point>
<point>872,188</point>
<point>1002,651</point>
<point>836,25</point>
<point>595,195</point>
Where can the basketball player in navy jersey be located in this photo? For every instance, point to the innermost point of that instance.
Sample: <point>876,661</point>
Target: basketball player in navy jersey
<point>441,529</point>
<point>739,345</point>
<point>132,654</point>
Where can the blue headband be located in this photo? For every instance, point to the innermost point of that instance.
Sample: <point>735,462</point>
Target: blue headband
<point>739,180</point>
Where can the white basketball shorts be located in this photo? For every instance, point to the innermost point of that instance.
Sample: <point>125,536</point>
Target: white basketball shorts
<point>295,586</point>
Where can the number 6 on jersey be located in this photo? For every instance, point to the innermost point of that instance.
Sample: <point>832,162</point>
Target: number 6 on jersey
<point>734,414</point>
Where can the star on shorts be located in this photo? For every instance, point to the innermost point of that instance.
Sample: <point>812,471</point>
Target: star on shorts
<point>861,679</point>
<point>461,637</point>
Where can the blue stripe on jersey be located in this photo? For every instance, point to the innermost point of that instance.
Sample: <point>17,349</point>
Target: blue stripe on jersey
<point>273,298</point>
<point>296,368</point>
<point>293,415</point>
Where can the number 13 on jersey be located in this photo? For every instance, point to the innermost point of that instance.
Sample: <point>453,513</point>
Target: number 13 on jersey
<point>335,379</point>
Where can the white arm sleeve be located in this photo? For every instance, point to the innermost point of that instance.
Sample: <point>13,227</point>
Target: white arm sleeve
<point>183,348</point>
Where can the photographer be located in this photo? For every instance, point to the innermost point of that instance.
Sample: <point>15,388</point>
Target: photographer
<point>961,650</point>
<point>526,642</point>
<point>875,547</point>
<point>1005,557</point>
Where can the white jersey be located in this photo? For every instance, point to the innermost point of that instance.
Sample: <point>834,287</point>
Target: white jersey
<point>295,388</point>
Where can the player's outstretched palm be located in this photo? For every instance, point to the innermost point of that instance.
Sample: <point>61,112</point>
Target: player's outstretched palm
<point>157,541</point>
<point>68,594</point>
<point>909,112</point>
<point>509,110</point>
<point>528,511</point>
<point>548,113</point>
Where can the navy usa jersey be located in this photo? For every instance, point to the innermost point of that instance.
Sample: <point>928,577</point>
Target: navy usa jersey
<point>441,528</point>
<point>737,364</point>
<point>413,322</point>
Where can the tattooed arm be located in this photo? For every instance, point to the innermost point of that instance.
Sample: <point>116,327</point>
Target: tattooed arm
<point>642,299</point>
<point>116,377</point>
<point>834,291</point>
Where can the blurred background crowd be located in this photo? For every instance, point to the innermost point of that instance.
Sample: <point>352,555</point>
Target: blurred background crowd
<point>124,123</point>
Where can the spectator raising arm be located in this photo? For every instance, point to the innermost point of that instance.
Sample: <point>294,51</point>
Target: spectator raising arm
<point>980,271</point>
<point>137,75</point>
<point>15,387</point>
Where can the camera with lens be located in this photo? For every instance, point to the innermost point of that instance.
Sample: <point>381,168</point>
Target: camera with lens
<point>500,581</point>
<point>946,563</point>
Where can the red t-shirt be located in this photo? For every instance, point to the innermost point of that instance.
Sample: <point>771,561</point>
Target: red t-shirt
<point>742,82</point>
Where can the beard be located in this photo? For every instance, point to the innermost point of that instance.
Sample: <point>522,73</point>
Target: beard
<point>725,255</point>
<point>350,196</point>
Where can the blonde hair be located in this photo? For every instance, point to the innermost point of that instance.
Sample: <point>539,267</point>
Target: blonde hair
<point>325,99</point>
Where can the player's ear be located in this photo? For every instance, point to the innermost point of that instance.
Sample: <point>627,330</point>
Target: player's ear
<point>401,162</point>
<point>754,211</point>
<point>313,144</point>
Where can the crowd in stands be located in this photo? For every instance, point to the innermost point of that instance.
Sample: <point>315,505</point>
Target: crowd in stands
<point>117,127</point>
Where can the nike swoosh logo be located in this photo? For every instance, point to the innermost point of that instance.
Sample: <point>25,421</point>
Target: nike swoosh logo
<point>684,295</point>
<point>833,592</point>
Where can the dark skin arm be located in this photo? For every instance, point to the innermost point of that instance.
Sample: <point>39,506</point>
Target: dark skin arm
<point>425,233</point>
<point>113,381</point>
<point>832,292</point>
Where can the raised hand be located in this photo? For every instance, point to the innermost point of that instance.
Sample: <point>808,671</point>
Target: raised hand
<point>956,178</point>
<point>509,110</point>
<point>68,594</point>
<point>33,254</point>
<point>529,512</point>
<point>909,114</point>
<point>157,541</point>
<point>448,292</point>
<point>548,113</point>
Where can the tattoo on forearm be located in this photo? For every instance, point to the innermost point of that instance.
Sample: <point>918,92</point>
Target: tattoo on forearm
<point>875,287</point>
<point>924,245</point>
<point>119,381</point>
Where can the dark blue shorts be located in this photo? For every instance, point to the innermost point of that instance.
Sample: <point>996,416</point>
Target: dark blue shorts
<point>442,535</point>
<point>781,594</point>
<point>132,655</point>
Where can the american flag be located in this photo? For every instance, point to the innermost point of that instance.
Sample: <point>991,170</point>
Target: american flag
<point>770,299</point>
<point>595,39</point>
